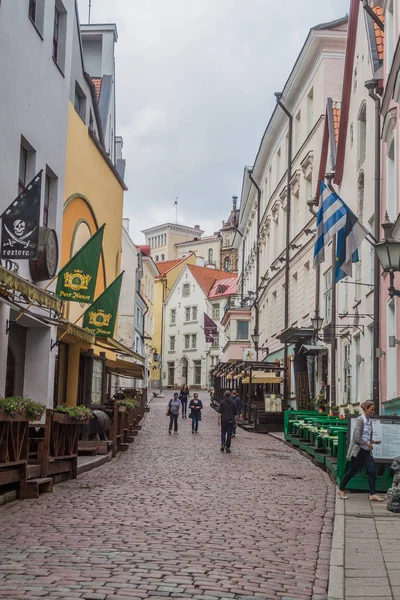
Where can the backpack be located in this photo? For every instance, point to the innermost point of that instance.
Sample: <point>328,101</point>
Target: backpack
<point>231,413</point>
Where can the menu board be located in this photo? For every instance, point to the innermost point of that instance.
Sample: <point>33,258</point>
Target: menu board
<point>387,430</point>
<point>273,403</point>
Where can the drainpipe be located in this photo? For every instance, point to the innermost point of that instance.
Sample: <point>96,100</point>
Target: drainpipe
<point>278,96</point>
<point>371,86</point>
<point>163,281</point>
<point>257,321</point>
<point>143,342</point>
<point>243,251</point>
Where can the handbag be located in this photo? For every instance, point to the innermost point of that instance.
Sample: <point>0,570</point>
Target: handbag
<point>169,413</point>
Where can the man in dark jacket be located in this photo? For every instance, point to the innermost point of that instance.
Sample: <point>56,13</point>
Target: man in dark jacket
<point>238,401</point>
<point>227,414</point>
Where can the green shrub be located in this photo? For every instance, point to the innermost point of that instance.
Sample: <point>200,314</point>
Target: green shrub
<point>129,404</point>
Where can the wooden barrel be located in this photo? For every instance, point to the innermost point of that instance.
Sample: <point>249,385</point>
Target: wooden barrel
<point>99,424</point>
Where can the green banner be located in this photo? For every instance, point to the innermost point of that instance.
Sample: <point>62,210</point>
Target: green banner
<point>76,281</point>
<point>100,318</point>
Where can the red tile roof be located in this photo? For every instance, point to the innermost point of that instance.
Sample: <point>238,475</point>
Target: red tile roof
<point>145,249</point>
<point>336,119</point>
<point>97,84</point>
<point>165,266</point>
<point>379,34</point>
<point>224,287</point>
<point>207,277</point>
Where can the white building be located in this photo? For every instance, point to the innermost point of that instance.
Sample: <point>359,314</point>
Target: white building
<point>162,239</point>
<point>33,120</point>
<point>187,358</point>
<point>317,75</point>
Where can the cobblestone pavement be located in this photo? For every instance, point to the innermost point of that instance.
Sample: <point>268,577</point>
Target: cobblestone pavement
<point>175,517</point>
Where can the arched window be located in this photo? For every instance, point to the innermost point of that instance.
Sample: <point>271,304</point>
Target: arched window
<point>391,179</point>
<point>156,260</point>
<point>162,256</point>
<point>210,255</point>
<point>360,196</point>
<point>362,134</point>
<point>227,264</point>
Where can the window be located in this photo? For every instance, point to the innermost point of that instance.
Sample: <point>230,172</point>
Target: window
<point>358,280</point>
<point>187,314</point>
<point>156,258</point>
<point>278,166</point>
<point>294,292</point>
<point>187,341</point>
<point>362,134</point>
<point>56,32</point>
<point>210,255</point>
<point>197,372</point>
<point>80,101</point>
<point>173,316</point>
<point>227,264</point>
<point>306,289</point>
<point>371,257</point>
<point>36,14</point>
<point>328,296</point>
<point>242,330</point>
<point>297,131</point>
<point>59,34</point>
<point>194,340</point>
<point>360,196</point>
<point>215,341</point>
<point>186,290</point>
<point>23,161</point>
<point>215,311</point>
<point>391,180</point>
<point>347,373</point>
<point>310,110</point>
<point>172,343</point>
<point>273,313</point>
<point>162,256</point>
<point>47,199</point>
<point>184,368</point>
<point>194,313</point>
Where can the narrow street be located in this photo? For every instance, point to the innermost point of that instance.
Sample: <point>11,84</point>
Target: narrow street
<point>175,517</point>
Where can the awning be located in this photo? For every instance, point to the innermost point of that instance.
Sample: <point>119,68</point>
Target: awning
<point>312,349</point>
<point>11,281</point>
<point>74,331</point>
<point>125,368</point>
<point>262,377</point>
<point>116,346</point>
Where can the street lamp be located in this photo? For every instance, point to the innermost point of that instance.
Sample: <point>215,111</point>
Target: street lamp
<point>255,338</point>
<point>388,252</point>
<point>317,322</point>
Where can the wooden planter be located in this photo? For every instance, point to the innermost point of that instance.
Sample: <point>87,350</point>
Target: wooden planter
<point>14,450</point>
<point>58,452</point>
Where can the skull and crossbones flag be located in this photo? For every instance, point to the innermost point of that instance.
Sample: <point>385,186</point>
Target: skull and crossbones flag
<point>20,223</point>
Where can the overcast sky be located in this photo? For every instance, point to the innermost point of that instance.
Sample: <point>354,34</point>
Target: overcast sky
<point>195,82</point>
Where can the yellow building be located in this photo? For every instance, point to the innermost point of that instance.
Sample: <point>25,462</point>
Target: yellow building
<point>94,194</point>
<point>169,272</point>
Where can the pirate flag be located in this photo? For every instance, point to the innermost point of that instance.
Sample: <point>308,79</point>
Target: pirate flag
<point>20,223</point>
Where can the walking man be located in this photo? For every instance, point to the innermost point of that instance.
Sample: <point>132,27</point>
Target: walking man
<point>227,414</point>
<point>173,410</point>
<point>238,401</point>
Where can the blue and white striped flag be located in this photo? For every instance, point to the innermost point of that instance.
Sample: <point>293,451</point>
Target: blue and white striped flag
<point>335,216</point>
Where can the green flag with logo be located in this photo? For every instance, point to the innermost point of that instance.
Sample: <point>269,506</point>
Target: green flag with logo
<point>100,318</point>
<point>76,281</point>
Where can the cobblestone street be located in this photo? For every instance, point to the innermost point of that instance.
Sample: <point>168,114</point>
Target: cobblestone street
<point>175,517</point>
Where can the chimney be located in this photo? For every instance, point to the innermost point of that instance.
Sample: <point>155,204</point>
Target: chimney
<point>234,202</point>
<point>197,226</point>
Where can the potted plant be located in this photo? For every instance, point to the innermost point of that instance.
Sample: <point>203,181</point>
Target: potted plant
<point>129,404</point>
<point>72,414</point>
<point>20,408</point>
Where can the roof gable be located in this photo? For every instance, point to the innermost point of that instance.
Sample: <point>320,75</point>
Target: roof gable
<point>207,277</point>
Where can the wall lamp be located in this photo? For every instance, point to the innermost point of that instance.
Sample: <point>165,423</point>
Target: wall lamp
<point>388,252</point>
<point>393,341</point>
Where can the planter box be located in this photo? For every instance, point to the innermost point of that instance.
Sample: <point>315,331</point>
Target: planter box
<point>4,416</point>
<point>14,450</point>
<point>64,419</point>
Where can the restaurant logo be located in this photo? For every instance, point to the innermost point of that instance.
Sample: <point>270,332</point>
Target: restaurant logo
<point>77,280</point>
<point>99,318</point>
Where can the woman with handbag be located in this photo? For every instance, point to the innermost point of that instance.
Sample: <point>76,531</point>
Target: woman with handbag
<point>360,452</point>
<point>183,397</point>
<point>195,408</point>
<point>173,410</point>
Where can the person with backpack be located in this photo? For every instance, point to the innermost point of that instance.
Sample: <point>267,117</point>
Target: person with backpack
<point>183,397</point>
<point>173,410</point>
<point>227,415</point>
<point>195,408</point>
<point>238,401</point>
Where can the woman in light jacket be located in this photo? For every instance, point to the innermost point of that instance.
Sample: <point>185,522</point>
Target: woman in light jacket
<point>360,452</point>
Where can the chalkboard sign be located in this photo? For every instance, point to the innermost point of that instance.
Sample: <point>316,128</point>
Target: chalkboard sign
<point>302,389</point>
<point>385,429</point>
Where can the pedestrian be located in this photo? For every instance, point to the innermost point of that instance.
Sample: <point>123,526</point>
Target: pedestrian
<point>195,408</point>
<point>360,452</point>
<point>227,414</point>
<point>183,397</point>
<point>173,410</point>
<point>238,401</point>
